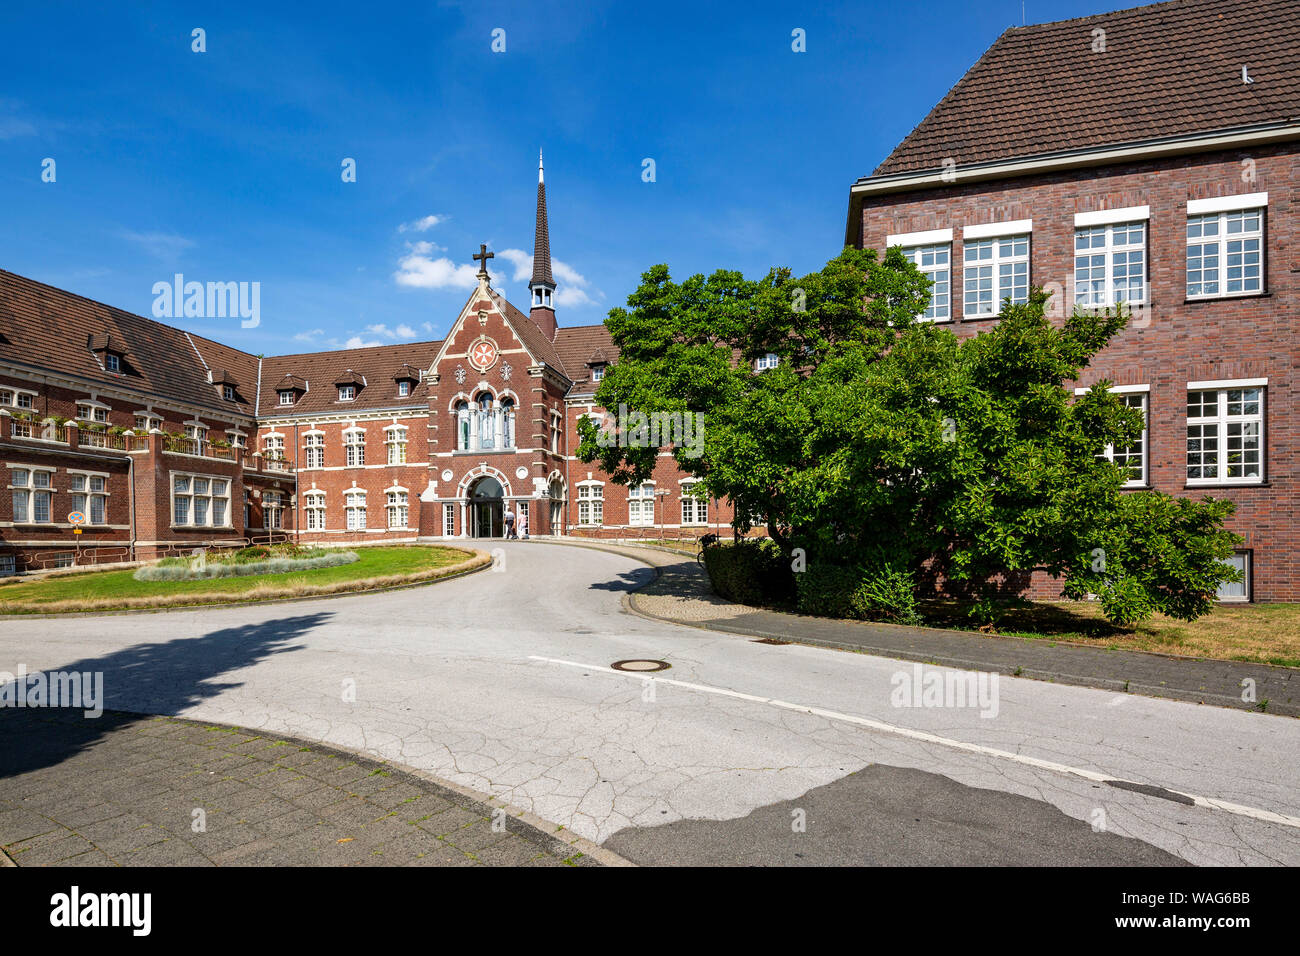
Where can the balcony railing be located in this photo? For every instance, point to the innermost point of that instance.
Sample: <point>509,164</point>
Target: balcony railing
<point>89,439</point>
<point>38,431</point>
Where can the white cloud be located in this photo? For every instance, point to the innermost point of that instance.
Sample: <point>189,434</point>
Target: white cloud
<point>570,285</point>
<point>401,332</point>
<point>356,342</point>
<point>310,336</point>
<point>424,247</point>
<point>164,245</point>
<point>421,225</point>
<point>428,327</point>
<point>421,272</point>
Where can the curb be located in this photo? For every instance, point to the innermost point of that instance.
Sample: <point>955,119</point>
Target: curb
<point>551,836</point>
<point>478,561</point>
<point>1274,708</point>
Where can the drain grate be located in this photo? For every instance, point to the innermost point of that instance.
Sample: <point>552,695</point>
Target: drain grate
<point>640,665</point>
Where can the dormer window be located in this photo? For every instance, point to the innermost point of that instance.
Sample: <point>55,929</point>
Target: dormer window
<point>286,397</point>
<point>112,363</point>
<point>597,372</point>
<point>228,392</point>
<point>403,388</point>
<point>347,393</point>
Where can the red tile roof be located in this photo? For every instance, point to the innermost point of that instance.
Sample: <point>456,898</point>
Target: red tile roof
<point>1167,69</point>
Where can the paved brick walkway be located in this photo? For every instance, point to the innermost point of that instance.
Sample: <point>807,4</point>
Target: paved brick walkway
<point>124,789</point>
<point>681,594</point>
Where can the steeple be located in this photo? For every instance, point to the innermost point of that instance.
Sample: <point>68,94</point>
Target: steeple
<point>542,286</point>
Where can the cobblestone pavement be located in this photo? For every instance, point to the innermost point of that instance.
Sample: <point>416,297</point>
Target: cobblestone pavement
<point>128,790</point>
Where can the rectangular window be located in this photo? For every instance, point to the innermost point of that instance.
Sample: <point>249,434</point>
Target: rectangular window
<point>1236,590</point>
<point>398,509</point>
<point>356,511</point>
<point>403,388</point>
<point>196,432</point>
<point>934,263</point>
<point>315,451</point>
<point>315,507</point>
<point>995,269</point>
<point>1110,264</point>
<point>1225,254</point>
<point>1225,436</point>
<point>6,397</point>
<point>449,521</point>
<point>347,393</point>
<point>765,362</point>
<point>597,372</point>
<point>112,363</point>
<point>397,446</point>
<point>24,400</point>
<point>286,398</point>
<point>200,501</point>
<point>144,423</point>
<point>694,510</point>
<point>354,443</point>
<point>591,504</point>
<point>8,564</point>
<point>1131,459</point>
<point>641,504</point>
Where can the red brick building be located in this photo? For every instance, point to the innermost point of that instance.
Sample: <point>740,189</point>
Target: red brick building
<point>161,441</point>
<point>1149,156</point>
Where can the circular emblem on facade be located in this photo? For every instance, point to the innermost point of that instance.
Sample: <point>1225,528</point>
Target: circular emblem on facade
<point>483,354</point>
<point>521,472</point>
<point>447,474</point>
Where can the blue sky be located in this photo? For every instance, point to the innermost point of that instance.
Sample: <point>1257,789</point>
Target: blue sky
<point>226,165</point>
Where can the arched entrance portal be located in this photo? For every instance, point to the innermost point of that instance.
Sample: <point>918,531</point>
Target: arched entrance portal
<point>485,508</point>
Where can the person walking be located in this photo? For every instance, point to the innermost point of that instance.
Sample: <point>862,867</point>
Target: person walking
<point>510,522</point>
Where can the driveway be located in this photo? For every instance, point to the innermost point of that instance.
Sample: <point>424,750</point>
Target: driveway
<point>741,752</point>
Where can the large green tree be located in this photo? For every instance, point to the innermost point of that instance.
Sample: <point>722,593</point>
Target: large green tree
<point>884,445</point>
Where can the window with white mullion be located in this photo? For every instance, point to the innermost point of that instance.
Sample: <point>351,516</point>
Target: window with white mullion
<point>314,506</point>
<point>934,262</point>
<point>1225,254</point>
<point>995,270</point>
<point>694,509</point>
<point>314,448</point>
<point>354,443</point>
<point>641,504</point>
<point>1110,265</point>
<point>1131,459</point>
<point>355,508</point>
<point>1225,436</point>
<point>398,509</point>
<point>591,504</point>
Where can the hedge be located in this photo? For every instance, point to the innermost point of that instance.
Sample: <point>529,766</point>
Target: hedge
<point>171,571</point>
<point>751,572</point>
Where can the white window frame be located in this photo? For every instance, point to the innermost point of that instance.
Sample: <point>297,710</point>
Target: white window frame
<point>641,505</point>
<point>998,258</point>
<point>30,491</point>
<point>347,393</point>
<point>448,520</point>
<point>399,506</point>
<point>695,511</point>
<point>403,388</point>
<point>765,362</point>
<point>314,510</point>
<point>1223,421</point>
<point>354,447</point>
<point>940,276</point>
<point>189,494</point>
<point>1110,290</point>
<point>112,363</point>
<point>313,449</point>
<point>86,496</point>
<point>591,504</point>
<point>286,397</point>
<point>1222,242</point>
<point>1247,559</point>
<point>395,438</point>
<point>354,508</point>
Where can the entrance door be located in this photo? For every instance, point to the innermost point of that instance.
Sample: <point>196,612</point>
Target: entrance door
<point>486,509</point>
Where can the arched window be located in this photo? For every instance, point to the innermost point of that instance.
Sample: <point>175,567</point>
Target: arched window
<point>486,422</point>
<point>507,423</point>
<point>462,426</point>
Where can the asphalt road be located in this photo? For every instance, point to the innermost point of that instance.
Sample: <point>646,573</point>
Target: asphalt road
<point>740,753</point>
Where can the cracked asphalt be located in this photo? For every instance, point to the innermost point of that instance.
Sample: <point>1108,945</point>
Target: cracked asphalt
<point>740,753</point>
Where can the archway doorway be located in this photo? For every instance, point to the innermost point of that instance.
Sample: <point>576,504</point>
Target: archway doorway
<point>486,498</point>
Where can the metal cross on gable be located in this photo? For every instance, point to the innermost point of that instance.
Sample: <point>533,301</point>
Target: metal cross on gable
<point>482,256</point>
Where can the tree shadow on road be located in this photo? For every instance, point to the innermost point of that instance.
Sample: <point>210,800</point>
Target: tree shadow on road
<point>164,678</point>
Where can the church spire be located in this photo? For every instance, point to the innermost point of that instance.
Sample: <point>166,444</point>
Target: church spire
<point>542,286</point>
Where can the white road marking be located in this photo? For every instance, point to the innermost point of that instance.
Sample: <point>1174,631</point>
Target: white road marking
<point>1267,816</point>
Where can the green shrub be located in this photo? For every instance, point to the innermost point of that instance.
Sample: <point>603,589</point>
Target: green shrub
<point>877,592</point>
<point>751,572</point>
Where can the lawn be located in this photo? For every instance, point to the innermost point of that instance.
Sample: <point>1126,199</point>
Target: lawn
<point>1262,633</point>
<point>105,590</point>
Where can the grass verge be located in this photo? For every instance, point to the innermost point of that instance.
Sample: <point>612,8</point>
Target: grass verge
<point>377,567</point>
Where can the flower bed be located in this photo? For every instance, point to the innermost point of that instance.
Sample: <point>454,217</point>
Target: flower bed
<point>278,559</point>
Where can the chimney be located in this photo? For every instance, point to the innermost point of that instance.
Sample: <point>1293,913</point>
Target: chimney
<point>542,287</point>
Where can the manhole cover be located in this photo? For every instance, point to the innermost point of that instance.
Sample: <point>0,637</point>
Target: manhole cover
<point>640,665</point>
